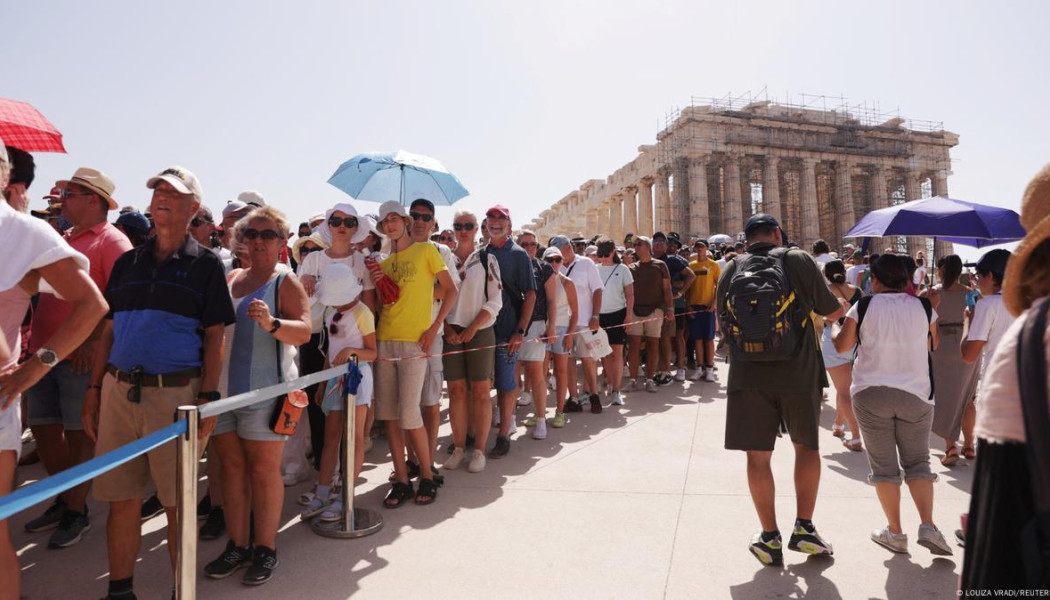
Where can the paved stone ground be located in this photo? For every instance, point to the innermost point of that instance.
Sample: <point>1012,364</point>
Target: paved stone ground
<point>640,502</point>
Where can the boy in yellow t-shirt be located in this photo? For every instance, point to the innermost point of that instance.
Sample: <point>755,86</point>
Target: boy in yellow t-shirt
<point>702,323</point>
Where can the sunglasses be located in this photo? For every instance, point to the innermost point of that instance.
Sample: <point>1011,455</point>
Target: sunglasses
<point>528,244</point>
<point>463,226</point>
<point>266,234</point>
<point>348,222</point>
<point>69,193</point>
<point>421,217</point>
<point>197,221</point>
<point>306,250</point>
<point>332,329</point>
<point>552,260</point>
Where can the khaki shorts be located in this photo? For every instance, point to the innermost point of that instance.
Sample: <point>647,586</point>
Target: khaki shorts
<point>473,361</point>
<point>650,328</point>
<point>399,383</point>
<point>755,418</point>
<point>122,422</point>
<point>435,374</point>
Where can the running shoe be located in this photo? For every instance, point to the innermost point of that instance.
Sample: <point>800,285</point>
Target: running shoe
<point>50,519</point>
<point>769,553</point>
<point>71,528</point>
<point>231,559</point>
<point>933,540</point>
<point>525,399</point>
<point>540,433</point>
<point>151,508</point>
<point>502,447</point>
<point>264,561</point>
<point>894,542</point>
<point>616,399</point>
<point>808,541</point>
<point>559,420</point>
<point>650,386</point>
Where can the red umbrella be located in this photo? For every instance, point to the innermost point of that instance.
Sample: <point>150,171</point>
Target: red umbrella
<point>23,127</point>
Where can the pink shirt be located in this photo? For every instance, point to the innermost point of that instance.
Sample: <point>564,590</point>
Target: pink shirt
<point>102,244</point>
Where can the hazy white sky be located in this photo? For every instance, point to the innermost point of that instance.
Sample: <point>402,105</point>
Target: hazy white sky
<point>522,101</point>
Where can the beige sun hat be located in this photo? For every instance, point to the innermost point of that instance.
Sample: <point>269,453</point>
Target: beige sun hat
<point>313,238</point>
<point>94,180</point>
<point>1035,218</point>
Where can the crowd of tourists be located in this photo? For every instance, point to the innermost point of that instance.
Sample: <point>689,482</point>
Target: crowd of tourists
<point>113,317</point>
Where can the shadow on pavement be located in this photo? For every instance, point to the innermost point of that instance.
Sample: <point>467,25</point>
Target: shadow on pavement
<point>799,580</point>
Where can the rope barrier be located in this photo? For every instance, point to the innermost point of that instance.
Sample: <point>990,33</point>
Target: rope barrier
<point>40,491</point>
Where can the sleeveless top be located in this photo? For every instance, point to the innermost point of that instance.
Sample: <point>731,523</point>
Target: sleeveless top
<point>251,352</point>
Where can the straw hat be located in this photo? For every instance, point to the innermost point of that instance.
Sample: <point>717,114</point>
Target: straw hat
<point>94,180</point>
<point>338,285</point>
<point>297,247</point>
<point>1035,218</point>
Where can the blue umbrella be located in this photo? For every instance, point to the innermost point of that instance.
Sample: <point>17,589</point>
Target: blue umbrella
<point>944,218</point>
<point>400,175</point>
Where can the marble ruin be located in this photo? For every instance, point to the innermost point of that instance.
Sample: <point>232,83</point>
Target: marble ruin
<point>717,163</point>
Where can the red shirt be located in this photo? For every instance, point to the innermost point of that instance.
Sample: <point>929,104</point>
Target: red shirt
<point>102,245</point>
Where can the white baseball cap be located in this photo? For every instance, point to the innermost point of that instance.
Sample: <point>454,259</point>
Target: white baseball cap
<point>233,206</point>
<point>391,206</point>
<point>180,178</point>
<point>251,197</point>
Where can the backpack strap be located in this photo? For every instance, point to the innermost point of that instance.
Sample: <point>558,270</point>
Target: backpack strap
<point>484,254</point>
<point>926,306</point>
<point>277,315</point>
<point>862,309</point>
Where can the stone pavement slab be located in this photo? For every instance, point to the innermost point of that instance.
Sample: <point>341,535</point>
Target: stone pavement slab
<point>638,502</point>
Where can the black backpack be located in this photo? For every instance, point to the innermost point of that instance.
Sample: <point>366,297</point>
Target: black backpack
<point>763,319</point>
<point>862,309</point>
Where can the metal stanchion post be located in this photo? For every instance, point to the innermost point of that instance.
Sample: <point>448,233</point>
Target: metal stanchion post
<point>356,522</point>
<point>186,508</point>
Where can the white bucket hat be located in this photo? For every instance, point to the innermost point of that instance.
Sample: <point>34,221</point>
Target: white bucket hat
<point>362,226</point>
<point>338,285</point>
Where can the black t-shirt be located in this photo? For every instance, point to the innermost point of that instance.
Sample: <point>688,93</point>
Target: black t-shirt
<point>543,271</point>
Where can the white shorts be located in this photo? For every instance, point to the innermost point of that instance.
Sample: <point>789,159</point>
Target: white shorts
<point>534,351</point>
<point>11,428</point>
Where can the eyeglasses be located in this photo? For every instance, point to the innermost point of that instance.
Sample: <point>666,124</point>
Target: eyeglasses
<point>69,193</point>
<point>553,259</point>
<point>332,329</point>
<point>197,221</point>
<point>266,234</point>
<point>348,222</point>
<point>463,226</point>
<point>421,217</point>
<point>528,244</point>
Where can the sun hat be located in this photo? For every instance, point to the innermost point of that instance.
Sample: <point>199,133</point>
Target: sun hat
<point>551,253</point>
<point>391,206</point>
<point>181,178</point>
<point>94,180</point>
<point>252,198</point>
<point>338,285</point>
<point>297,247</point>
<point>1035,218</point>
<point>589,250</point>
<point>325,232</point>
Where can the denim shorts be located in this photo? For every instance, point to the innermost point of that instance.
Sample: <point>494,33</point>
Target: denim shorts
<point>250,423</point>
<point>11,428</point>
<point>505,378</point>
<point>332,397</point>
<point>58,398</point>
<point>556,346</point>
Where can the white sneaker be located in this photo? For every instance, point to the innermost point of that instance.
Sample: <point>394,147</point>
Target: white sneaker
<point>680,375</point>
<point>894,542</point>
<point>477,461</point>
<point>697,375</point>
<point>550,383</point>
<point>495,416</point>
<point>455,460</point>
<point>513,424</point>
<point>641,371</point>
<point>932,539</point>
<point>540,433</point>
<point>525,399</point>
<point>617,399</point>
<point>650,386</point>
<point>709,374</point>
<point>632,385</point>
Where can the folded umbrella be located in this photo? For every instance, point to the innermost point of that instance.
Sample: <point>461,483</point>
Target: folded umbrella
<point>944,218</point>
<point>23,127</point>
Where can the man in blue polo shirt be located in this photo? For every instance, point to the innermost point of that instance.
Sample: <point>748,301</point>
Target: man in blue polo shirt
<point>161,348</point>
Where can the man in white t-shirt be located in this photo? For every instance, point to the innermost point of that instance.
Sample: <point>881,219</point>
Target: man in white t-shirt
<point>989,319</point>
<point>853,273</point>
<point>584,275</point>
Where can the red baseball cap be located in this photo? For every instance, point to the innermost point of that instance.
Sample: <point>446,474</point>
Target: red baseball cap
<point>498,209</point>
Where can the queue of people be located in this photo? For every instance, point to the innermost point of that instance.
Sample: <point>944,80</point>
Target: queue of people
<point>129,324</point>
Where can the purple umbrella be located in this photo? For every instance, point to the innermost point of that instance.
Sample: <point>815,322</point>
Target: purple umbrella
<point>946,219</point>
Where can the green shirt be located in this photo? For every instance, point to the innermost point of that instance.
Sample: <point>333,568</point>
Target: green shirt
<point>805,372</point>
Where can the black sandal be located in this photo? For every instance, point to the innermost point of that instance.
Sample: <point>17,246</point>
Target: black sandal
<point>428,490</point>
<point>399,494</point>
<point>413,472</point>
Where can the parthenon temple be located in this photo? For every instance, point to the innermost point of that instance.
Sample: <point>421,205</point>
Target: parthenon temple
<point>717,162</point>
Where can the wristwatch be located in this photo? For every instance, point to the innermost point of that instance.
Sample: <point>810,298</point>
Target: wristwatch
<point>209,396</point>
<point>276,325</point>
<point>47,357</point>
<point>521,332</point>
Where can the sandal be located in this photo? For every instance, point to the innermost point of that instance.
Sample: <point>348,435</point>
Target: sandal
<point>399,494</point>
<point>428,492</point>
<point>839,431</point>
<point>413,472</point>
<point>314,508</point>
<point>969,453</point>
<point>307,497</point>
<point>950,457</point>
<point>853,444</point>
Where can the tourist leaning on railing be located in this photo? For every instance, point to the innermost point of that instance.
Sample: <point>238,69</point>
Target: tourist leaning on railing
<point>273,319</point>
<point>152,358</point>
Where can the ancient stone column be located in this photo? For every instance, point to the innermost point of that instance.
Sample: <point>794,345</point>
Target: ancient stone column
<point>616,218</point>
<point>733,218</point>
<point>940,188</point>
<point>699,222</point>
<point>880,199</point>
<point>913,191</point>
<point>810,211</point>
<point>592,221</point>
<point>645,208</point>
<point>630,211</point>
<point>681,196</point>
<point>603,217</point>
<point>843,200</point>
<point>771,187</point>
<point>663,203</point>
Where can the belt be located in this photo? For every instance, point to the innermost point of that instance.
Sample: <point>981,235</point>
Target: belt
<point>943,325</point>
<point>174,379</point>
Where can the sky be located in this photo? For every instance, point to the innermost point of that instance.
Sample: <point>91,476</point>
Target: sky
<point>524,102</point>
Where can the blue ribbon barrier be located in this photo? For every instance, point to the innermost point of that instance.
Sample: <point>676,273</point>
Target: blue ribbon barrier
<point>44,489</point>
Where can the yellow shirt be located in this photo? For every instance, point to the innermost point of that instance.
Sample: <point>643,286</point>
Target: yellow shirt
<point>703,291</point>
<point>414,270</point>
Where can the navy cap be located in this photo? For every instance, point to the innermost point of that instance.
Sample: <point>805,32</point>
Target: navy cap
<point>134,220</point>
<point>559,241</point>
<point>994,261</point>
<point>760,220</point>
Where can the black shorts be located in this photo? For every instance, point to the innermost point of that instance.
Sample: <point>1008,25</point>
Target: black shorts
<point>681,321</point>
<point>612,323</point>
<point>755,417</point>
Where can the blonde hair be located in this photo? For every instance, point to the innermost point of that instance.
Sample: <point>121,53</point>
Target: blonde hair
<point>269,213</point>
<point>522,233</point>
<point>463,212</point>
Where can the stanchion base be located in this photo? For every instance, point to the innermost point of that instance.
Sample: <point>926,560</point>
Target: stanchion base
<point>365,522</point>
